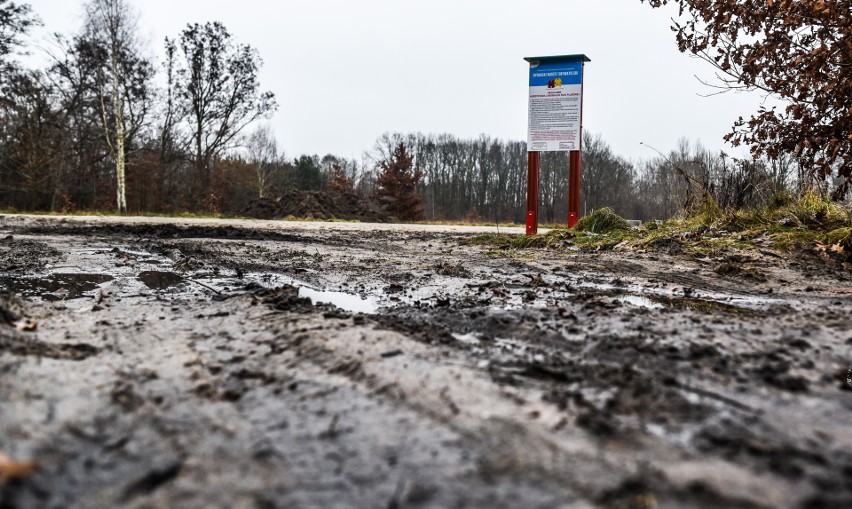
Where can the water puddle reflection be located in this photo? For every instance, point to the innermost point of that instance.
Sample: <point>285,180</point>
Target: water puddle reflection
<point>55,287</point>
<point>158,280</point>
<point>640,301</point>
<point>345,301</point>
<point>350,302</point>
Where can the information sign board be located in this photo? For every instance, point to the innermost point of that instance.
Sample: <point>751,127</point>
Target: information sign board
<point>555,105</point>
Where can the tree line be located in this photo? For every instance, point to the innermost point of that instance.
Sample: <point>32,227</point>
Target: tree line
<point>94,130</point>
<point>105,127</point>
<point>485,179</point>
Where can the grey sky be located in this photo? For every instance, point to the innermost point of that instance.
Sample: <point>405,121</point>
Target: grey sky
<point>345,72</point>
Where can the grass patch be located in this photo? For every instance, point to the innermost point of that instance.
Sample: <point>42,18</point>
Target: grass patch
<point>603,220</point>
<point>786,224</point>
<point>810,224</point>
<point>550,239</point>
<point>601,229</point>
<point>810,212</point>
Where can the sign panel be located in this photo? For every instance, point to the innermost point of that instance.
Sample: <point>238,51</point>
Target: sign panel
<point>556,99</point>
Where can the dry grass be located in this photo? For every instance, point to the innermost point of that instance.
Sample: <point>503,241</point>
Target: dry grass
<point>603,220</point>
<point>809,223</point>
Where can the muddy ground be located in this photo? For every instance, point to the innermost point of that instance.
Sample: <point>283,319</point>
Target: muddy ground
<point>194,366</point>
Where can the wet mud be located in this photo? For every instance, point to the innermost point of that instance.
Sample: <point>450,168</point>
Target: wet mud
<point>54,287</point>
<point>158,280</point>
<point>245,367</point>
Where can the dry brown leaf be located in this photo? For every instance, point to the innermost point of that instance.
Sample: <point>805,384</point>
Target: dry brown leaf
<point>26,325</point>
<point>10,470</point>
<point>793,33</point>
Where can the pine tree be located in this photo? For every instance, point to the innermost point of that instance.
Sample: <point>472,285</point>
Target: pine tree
<point>396,186</point>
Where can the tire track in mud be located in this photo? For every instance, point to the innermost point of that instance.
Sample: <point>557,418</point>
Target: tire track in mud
<point>518,429</point>
<point>302,346</point>
<point>23,346</point>
<point>591,421</point>
<point>455,396</point>
<point>601,365</point>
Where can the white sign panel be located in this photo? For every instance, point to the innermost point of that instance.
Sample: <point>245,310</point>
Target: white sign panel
<point>556,99</point>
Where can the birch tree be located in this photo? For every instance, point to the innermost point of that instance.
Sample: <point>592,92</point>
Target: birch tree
<point>262,150</point>
<point>122,79</point>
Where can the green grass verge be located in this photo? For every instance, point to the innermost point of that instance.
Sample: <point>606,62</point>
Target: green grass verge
<point>808,223</point>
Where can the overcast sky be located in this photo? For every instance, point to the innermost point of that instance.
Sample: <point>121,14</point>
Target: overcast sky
<point>344,71</point>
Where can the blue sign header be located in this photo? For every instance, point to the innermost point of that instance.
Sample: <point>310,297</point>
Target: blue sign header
<point>543,74</point>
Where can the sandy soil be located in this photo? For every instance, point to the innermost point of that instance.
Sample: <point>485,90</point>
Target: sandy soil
<point>188,363</point>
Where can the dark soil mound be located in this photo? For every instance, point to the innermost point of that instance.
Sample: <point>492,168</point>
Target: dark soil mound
<point>315,205</point>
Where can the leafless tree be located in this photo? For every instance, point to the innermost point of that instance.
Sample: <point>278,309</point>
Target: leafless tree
<point>262,148</point>
<point>122,80</point>
<point>15,21</point>
<point>218,88</point>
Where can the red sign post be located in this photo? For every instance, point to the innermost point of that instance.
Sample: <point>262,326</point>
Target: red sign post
<point>533,168</point>
<point>555,125</point>
<point>574,186</point>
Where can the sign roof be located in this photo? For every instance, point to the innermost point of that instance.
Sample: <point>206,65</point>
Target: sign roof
<point>561,58</point>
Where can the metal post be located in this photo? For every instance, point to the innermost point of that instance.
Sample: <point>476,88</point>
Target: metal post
<point>576,157</point>
<point>533,167</point>
<point>574,188</point>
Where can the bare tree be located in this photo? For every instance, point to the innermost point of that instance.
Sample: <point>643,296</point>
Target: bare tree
<point>110,38</point>
<point>15,21</point>
<point>217,84</point>
<point>608,180</point>
<point>262,150</point>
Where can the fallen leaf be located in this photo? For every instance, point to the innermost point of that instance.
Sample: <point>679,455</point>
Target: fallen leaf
<point>10,470</point>
<point>26,325</point>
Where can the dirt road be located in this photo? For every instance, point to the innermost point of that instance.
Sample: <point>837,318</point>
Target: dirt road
<point>190,364</point>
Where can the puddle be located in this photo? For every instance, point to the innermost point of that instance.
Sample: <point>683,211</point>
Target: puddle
<point>350,302</point>
<point>469,339</point>
<point>345,301</point>
<point>518,349</point>
<point>353,303</point>
<point>692,304</point>
<point>707,306</point>
<point>158,280</point>
<point>674,293</point>
<point>57,286</point>
<point>640,301</point>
